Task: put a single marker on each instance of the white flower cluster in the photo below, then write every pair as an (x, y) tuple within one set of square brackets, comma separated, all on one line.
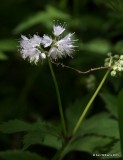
[(116, 63), (36, 47)]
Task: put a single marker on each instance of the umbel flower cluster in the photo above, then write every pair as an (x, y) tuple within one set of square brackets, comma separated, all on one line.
[(116, 64), (38, 48)]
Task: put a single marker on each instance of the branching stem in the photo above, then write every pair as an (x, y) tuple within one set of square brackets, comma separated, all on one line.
[(79, 71)]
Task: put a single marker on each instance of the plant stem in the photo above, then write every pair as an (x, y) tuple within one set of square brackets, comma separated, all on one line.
[(58, 98), (89, 104)]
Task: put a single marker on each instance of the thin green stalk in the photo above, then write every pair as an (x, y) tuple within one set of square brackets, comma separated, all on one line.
[(89, 104), (58, 98)]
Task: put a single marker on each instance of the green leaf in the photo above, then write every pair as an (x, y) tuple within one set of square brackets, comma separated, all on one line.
[(116, 149), (20, 155), (74, 110), (111, 103), (101, 46), (100, 124), (45, 18), (8, 45), (95, 134), (3, 56), (13, 126), (43, 139), (90, 144), (116, 5), (38, 132)]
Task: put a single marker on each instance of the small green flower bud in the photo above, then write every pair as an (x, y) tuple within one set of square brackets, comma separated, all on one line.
[(116, 56), (107, 59), (121, 57), (121, 63), (115, 67), (119, 69), (109, 54), (122, 69), (113, 73)]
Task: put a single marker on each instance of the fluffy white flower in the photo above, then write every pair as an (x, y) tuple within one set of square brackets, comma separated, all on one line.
[(46, 41), (29, 48), (54, 53), (65, 45), (35, 41), (36, 47), (62, 48), (58, 30)]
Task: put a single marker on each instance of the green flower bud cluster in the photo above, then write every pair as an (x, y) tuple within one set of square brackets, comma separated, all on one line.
[(116, 64)]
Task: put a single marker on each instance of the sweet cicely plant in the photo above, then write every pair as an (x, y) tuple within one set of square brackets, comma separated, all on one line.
[(55, 47)]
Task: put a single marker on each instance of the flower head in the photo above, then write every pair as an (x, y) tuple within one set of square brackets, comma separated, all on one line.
[(62, 48), (58, 30), (55, 53), (35, 41), (46, 41), (36, 47), (29, 48)]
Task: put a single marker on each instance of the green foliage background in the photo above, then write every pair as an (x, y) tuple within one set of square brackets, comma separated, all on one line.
[(27, 94)]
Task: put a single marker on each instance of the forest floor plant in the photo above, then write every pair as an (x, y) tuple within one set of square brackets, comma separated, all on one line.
[(57, 46)]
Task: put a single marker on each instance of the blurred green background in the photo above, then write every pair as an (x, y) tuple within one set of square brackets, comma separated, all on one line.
[(27, 91)]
